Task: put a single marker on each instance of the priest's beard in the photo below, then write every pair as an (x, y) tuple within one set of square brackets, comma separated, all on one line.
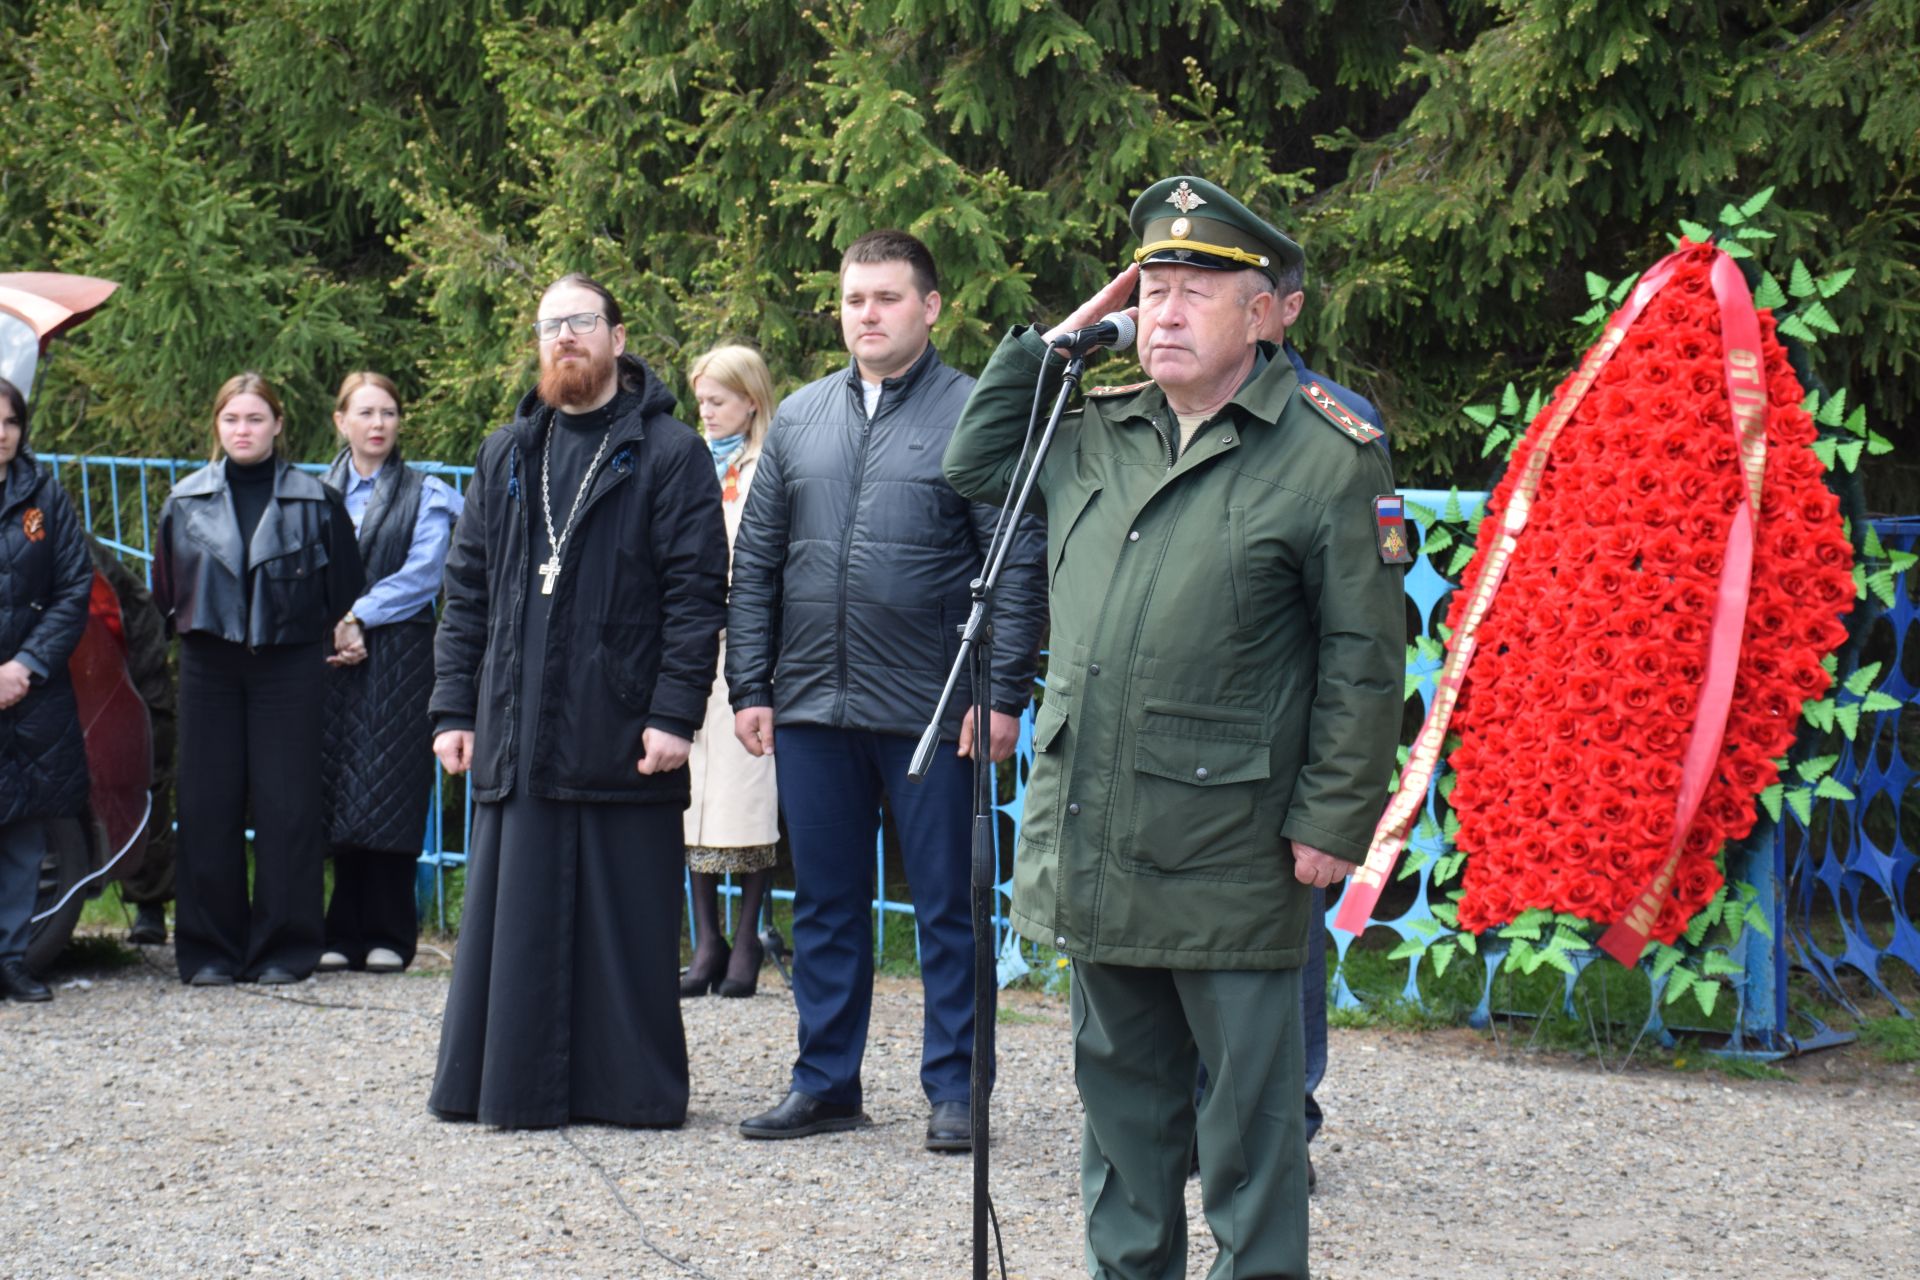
[(577, 382)]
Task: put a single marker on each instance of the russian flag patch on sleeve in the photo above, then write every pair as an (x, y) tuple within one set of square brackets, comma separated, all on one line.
[(1390, 528)]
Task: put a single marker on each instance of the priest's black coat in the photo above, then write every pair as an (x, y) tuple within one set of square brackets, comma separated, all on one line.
[(634, 638)]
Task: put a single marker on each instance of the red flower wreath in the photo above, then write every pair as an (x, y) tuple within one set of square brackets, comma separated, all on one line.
[(1580, 698)]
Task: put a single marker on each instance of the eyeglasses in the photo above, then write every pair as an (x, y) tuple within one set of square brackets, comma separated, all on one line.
[(585, 322)]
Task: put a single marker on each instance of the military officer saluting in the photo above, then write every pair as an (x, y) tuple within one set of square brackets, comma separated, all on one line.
[(1223, 703)]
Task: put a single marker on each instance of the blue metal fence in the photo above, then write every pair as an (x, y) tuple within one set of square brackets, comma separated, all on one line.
[(1858, 852)]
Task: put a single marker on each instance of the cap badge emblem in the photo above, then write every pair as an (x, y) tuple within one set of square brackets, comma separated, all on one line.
[(1185, 198), (1180, 228)]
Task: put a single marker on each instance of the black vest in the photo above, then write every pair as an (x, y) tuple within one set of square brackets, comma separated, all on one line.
[(386, 527)]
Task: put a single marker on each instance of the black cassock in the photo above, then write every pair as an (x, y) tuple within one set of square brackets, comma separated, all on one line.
[(565, 1003)]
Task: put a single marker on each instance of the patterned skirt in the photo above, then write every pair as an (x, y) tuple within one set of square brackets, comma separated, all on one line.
[(709, 861)]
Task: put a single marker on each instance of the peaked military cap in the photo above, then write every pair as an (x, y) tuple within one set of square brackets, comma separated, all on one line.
[(1191, 222)]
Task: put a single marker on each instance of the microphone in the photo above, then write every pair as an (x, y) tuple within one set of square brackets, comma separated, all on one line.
[(1113, 333)]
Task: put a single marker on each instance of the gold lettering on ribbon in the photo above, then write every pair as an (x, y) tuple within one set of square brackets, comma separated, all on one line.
[(1747, 395)]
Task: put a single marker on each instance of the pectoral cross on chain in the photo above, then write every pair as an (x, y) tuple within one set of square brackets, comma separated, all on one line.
[(548, 572)]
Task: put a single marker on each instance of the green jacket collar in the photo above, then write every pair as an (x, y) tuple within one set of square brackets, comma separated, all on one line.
[(1265, 395)]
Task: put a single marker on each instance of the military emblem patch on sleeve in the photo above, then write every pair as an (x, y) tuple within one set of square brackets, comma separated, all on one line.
[(1390, 528)]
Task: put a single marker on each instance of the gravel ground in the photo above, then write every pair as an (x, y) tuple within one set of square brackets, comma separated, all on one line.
[(155, 1130)]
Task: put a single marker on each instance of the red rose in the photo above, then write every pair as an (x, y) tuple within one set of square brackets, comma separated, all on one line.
[(1809, 680), (1785, 541), (1833, 552), (1663, 735), (1649, 661)]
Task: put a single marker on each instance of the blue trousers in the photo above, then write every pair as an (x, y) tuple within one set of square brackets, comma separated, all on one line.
[(832, 782), (23, 847)]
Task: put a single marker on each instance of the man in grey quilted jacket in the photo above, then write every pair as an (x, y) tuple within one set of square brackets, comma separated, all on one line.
[(850, 580)]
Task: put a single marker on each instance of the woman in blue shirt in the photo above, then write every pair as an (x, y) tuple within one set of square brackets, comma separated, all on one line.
[(378, 763)]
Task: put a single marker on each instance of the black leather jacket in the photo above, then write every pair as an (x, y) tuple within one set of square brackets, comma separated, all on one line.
[(298, 577)]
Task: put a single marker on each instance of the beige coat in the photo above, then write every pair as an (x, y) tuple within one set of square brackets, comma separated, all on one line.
[(735, 803)]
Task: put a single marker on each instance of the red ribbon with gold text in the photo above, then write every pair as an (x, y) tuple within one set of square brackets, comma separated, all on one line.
[(1396, 824)]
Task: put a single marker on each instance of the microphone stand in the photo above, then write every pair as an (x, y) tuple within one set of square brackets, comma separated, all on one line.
[(976, 658)]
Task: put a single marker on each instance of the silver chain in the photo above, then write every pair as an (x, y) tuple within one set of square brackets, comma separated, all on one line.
[(546, 497)]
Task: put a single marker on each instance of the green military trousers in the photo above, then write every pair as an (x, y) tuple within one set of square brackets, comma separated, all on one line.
[(1138, 1038)]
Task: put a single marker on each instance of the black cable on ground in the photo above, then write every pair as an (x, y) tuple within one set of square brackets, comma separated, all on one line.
[(619, 1198)]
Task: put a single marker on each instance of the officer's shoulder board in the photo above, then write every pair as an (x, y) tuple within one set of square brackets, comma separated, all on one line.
[(1351, 424), (1127, 390)]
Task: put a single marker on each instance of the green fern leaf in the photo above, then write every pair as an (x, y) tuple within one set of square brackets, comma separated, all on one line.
[(1718, 964), (1757, 201), (1795, 327), (1408, 949), (1800, 281), (1830, 285), (1769, 294), (1862, 679), (1817, 315)]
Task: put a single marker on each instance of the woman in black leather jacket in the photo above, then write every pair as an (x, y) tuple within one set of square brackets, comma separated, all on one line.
[(254, 566), (45, 580)]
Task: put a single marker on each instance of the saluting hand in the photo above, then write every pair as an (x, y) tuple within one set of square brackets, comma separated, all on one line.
[(1101, 305), (1311, 866), (665, 752)]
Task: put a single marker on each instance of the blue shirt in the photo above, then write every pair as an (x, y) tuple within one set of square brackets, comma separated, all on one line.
[(413, 586)]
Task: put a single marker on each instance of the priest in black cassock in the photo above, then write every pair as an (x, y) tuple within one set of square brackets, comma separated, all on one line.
[(586, 590)]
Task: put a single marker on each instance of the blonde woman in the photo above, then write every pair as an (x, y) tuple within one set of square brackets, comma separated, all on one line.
[(733, 823)]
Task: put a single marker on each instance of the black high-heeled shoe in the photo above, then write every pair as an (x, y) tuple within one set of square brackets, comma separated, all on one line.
[(694, 983), (736, 990)]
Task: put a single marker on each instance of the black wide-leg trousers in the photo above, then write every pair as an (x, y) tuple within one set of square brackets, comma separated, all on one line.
[(249, 747)]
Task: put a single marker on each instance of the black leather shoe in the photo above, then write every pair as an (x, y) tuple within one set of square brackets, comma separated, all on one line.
[(275, 976), (149, 925), (802, 1115), (211, 977), (21, 985), (950, 1127)]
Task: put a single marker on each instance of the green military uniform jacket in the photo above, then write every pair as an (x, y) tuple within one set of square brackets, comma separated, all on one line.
[(1225, 670)]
